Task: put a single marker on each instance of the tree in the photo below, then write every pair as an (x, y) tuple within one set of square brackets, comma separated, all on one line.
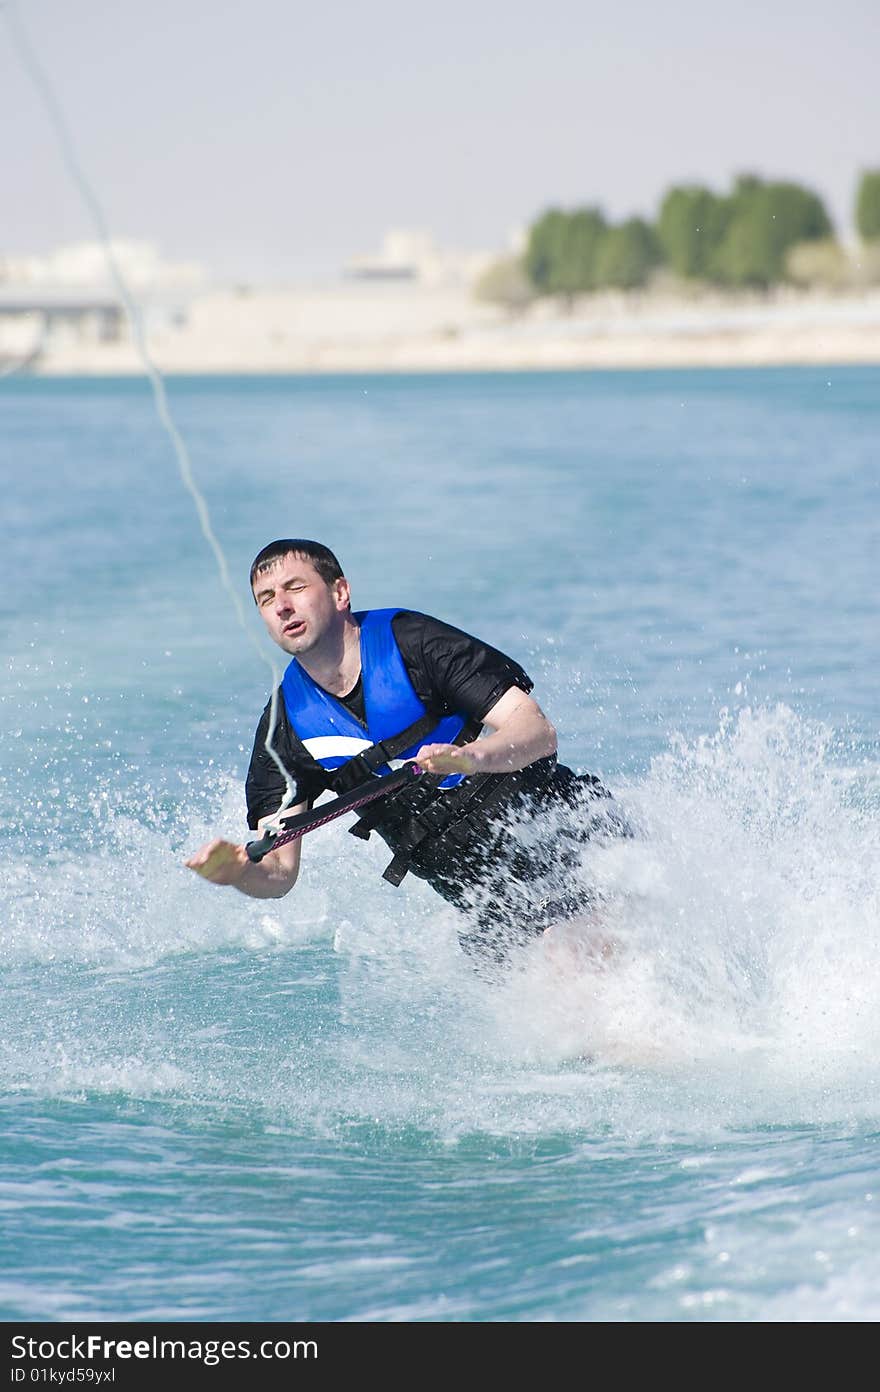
[(628, 254), (690, 227), (766, 219), (561, 252), (868, 206), (544, 249), (584, 233)]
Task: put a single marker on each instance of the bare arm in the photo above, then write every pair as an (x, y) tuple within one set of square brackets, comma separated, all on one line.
[(521, 733), (224, 863)]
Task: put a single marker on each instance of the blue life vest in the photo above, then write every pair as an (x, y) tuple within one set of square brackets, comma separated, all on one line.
[(333, 735)]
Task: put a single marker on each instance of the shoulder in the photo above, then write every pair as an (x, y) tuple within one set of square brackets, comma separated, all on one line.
[(422, 637), (455, 668), (265, 783), (410, 625), (273, 722)]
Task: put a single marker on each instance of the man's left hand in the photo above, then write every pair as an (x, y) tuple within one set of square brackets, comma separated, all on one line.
[(446, 758)]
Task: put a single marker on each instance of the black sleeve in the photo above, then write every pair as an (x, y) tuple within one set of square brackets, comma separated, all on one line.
[(265, 787), (450, 669)]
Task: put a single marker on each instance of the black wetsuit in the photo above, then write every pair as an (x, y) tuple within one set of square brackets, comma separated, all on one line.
[(509, 865)]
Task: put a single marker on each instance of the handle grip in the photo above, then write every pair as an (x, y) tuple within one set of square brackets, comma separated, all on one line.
[(297, 826)]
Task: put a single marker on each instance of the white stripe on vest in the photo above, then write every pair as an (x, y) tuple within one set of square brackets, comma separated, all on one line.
[(342, 747)]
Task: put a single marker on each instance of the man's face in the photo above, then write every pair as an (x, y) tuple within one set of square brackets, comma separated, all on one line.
[(298, 608)]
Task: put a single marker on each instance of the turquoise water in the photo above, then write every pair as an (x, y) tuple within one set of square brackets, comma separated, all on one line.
[(216, 1109)]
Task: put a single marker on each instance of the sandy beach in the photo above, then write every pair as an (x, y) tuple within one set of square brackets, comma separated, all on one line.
[(407, 327)]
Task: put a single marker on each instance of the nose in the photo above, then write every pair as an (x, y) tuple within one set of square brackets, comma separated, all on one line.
[(283, 603)]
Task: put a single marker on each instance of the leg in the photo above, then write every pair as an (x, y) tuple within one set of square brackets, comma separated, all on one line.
[(580, 941)]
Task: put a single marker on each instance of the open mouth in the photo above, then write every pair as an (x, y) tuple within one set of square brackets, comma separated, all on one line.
[(292, 629)]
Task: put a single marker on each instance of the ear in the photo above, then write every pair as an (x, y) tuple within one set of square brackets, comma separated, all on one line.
[(342, 593)]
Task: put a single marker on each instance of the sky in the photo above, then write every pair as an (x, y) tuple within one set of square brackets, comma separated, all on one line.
[(271, 140)]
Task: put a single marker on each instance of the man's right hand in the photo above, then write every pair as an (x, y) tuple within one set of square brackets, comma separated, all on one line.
[(221, 862)]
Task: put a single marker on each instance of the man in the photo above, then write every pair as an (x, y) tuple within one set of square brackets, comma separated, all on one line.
[(494, 823)]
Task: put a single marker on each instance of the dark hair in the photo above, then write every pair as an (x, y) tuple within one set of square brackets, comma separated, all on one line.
[(322, 558)]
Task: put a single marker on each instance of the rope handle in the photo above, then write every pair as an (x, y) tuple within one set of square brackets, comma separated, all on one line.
[(302, 822)]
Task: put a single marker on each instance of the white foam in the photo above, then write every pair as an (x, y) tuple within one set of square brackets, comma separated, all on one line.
[(742, 985)]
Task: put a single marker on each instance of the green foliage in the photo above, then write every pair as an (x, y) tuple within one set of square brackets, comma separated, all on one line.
[(739, 239), (628, 254), (765, 221), (543, 249), (868, 206), (562, 248), (691, 227), (586, 229)]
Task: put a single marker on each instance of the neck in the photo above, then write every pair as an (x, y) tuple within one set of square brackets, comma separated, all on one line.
[(335, 663)]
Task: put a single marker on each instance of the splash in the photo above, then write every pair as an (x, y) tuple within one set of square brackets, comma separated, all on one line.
[(121, 898), (740, 986), (745, 916)]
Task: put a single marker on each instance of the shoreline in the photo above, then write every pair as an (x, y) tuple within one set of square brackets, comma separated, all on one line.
[(414, 329)]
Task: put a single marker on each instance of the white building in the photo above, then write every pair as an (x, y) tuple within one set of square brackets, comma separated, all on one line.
[(411, 254), (73, 296)]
